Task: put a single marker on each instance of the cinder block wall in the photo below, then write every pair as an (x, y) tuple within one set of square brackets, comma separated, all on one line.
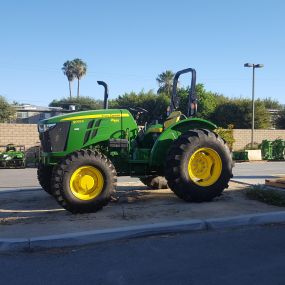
[(27, 134), (20, 134), (243, 136)]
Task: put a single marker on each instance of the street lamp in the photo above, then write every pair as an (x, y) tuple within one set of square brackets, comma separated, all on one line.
[(253, 68)]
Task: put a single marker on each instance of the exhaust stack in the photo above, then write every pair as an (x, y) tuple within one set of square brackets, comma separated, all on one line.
[(106, 93)]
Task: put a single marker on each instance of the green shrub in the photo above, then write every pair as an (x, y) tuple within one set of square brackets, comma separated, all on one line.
[(268, 196), (227, 135)]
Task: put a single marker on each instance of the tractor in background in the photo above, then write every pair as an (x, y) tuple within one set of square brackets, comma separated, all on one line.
[(12, 156), (84, 152)]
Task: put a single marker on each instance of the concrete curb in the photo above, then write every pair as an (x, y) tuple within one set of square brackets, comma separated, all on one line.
[(241, 182), (89, 237), (9, 190), (246, 220), (260, 184), (98, 236), (10, 244)]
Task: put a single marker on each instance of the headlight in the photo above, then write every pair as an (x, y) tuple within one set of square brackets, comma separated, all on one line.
[(7, 157), (44, 127)]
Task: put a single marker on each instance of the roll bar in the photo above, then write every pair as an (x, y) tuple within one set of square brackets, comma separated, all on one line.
[(192, 98)]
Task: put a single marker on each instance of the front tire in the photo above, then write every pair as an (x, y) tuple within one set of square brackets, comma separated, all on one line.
[(199, 166), (44, 174), (84, 181)]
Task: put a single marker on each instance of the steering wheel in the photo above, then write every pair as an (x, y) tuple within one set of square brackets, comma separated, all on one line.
[(142, 110), (136, 109)]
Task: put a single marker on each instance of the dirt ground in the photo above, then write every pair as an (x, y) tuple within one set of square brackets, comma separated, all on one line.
[(28, 213)]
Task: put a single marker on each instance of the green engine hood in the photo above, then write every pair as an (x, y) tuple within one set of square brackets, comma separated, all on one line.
[(92, 114)]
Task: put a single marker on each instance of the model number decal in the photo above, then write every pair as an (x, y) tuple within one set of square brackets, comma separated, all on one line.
[(78, 122)]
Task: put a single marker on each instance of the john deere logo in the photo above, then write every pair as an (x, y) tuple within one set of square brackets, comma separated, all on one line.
[(78, 122)]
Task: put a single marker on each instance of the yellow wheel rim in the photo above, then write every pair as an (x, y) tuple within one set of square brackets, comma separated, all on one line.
[(86, 182), (205, 167)]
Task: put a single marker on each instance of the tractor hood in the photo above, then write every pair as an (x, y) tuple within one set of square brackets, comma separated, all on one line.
[(92, 114), (73, 131), (81, 117)]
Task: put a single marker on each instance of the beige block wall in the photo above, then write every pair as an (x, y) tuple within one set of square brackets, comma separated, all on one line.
[(243, 136), (27, 134), (20, 134)]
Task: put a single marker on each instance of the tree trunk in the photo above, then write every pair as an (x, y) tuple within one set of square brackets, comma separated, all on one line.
[(69, 83), (77, 87)]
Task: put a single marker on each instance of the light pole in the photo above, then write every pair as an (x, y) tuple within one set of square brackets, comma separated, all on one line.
[(254, 66)]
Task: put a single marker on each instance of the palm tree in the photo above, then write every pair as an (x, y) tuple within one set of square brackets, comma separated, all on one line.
[(165, 82), (68, 71), (80, 68)]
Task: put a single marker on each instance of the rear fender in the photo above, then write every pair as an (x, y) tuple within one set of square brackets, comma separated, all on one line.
[(160, 148)]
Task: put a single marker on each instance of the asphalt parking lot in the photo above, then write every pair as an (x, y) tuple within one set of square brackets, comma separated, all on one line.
[(257, 172)]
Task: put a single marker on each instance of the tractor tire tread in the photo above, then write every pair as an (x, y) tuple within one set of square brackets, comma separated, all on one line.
[(44, 174), (62, 167), (173, 174)]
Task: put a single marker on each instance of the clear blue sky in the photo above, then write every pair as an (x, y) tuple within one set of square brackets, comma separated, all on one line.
[(128, 43)]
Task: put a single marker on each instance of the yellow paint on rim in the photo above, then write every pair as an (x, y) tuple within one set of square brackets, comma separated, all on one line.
[(86, 182), (205, 167), (96, 116)]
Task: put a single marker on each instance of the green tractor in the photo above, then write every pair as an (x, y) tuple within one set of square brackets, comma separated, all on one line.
[(13, 156), (84, 152)]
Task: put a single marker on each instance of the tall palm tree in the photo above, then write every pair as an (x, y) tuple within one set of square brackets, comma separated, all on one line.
[(165, 82), (80, 69), (68, 71)]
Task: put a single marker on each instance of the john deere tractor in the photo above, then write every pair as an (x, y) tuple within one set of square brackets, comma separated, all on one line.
[(13, 156), (84, 152)]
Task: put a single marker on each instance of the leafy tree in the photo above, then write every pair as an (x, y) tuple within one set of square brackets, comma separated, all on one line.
[(280, 121), (68, 71), (82, 103), (16, 103), (156, 105), (271, 104), (220, 98), (79, 70), (239, 113), (6, 110), (274, 108), (206, 101), (165, 82)]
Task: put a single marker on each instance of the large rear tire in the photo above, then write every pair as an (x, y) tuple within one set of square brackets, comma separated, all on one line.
[(84, 181), (154, 182), (44, 177), (199, 166)]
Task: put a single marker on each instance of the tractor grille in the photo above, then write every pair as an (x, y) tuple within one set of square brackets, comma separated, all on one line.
[(55, 139)]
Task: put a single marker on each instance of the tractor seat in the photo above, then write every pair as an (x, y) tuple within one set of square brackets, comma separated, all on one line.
[(173, 118), (10, 148)]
